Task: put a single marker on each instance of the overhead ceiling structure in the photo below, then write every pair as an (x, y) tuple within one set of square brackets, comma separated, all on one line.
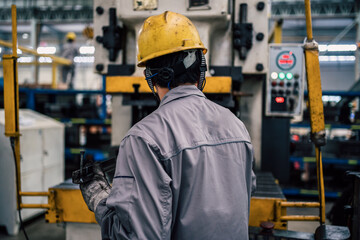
[(48, 10), (319, 9), (330, 18)]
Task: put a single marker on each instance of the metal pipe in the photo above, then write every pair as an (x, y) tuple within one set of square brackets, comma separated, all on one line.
[(53, 80), (300, 204), (316, 105), (33, 194), (15, 137), (26, 205), (299, 218), (55, 59), (321, 184), (278, 31), (14, 32), (308, 20)]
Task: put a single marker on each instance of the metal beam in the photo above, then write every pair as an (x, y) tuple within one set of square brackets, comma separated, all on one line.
[(50, 14), (319, 9)]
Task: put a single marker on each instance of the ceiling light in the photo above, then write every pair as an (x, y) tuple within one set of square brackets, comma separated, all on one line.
[(45, 60), (46, 50), (79, 59), (87, 50), (25, 36), (338, 48)]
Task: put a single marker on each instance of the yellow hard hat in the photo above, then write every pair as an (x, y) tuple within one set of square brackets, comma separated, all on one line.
[(166, 33), (71, 36)]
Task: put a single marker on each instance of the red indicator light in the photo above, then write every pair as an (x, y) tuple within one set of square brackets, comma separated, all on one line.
[(285, 56), (295, 138), (283, 61), (279, 100)]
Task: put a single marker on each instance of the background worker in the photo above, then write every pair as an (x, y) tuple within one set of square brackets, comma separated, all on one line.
[(184, 171), (70, 50)]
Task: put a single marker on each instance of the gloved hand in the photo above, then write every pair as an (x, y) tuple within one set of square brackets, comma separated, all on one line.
[(95, 190)]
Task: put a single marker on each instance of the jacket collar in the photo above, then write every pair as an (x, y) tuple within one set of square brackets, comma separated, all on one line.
[(180, 92)]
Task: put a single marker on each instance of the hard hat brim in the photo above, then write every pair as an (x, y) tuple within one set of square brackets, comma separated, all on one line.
[(142, 62)]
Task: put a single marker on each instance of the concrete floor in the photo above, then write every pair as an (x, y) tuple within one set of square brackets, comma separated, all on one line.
[(38, 229)]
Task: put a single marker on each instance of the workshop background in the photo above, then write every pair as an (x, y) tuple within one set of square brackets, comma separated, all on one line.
[(256, 68)]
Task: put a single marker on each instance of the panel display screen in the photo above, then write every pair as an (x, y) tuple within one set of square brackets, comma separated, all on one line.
[(286, 60)]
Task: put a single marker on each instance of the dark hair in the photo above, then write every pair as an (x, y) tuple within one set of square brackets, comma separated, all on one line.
[(191, 75), (70, 40)]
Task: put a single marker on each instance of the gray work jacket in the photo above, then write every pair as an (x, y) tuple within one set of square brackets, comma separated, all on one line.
[(70, 51), (183, 172)]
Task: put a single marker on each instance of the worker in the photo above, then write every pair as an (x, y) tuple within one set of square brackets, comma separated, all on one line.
[(184, 171), (69, 52)]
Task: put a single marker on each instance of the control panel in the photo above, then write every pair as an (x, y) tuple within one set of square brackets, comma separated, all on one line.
[(285, 81)]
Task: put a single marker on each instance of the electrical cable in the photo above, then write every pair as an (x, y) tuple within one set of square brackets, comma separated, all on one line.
[(12, 143)]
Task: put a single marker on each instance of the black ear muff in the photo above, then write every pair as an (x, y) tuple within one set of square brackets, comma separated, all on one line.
[(166, 74)]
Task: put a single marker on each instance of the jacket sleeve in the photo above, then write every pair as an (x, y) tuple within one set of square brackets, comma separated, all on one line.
[(139, 205)]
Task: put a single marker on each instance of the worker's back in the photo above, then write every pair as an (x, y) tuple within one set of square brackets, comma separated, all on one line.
[(206, 151)]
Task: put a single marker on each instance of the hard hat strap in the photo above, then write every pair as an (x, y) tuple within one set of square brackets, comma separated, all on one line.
[(203, 68), (148, 77)]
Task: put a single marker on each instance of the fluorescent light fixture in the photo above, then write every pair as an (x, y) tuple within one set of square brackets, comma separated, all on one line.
[(19, 51), (79, 59), (335, 99), (0, 49), (46, 50), (25, 59), (45, 60), (337, 58), (87, 50), (338, 48), (25, 36)]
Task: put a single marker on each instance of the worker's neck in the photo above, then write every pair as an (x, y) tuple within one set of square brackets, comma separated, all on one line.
[(161, 91)]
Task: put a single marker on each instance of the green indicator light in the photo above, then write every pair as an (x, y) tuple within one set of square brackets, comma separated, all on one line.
[(289, 76), (274, 75), (281, 76)]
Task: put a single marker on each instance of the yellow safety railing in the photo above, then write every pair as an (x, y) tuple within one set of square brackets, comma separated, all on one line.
[(55, 60), (11, 109)]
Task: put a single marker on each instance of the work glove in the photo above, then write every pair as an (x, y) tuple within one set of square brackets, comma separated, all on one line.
[(95, 190)]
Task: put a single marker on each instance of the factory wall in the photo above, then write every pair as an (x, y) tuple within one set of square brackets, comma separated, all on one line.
[(337, 76)]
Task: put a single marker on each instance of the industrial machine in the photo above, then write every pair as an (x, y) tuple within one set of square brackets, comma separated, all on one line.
[(285, 83), (235, 33)]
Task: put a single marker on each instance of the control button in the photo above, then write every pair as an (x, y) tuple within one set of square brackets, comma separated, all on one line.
[(291, 104), (281, 84), (287, 92), (296, 84), (281, 92), (288, 84), (273, 83), (274, 75), (289, 76), (273, 92), (281, 76), (295, 92), (296, 76)]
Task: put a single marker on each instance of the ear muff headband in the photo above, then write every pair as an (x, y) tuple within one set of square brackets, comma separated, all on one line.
[(168, 74)]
